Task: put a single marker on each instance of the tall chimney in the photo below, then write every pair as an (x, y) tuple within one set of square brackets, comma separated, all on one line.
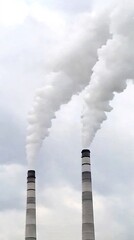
[(87, 200), (30, 232)]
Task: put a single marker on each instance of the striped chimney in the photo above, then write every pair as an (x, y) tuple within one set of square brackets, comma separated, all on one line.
[(87, 200), (30, 233)]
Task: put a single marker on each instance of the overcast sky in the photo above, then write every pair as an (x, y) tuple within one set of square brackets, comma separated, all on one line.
[(31, 32)]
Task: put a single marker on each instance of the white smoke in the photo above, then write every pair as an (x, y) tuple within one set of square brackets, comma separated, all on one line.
[(69, 75), (108, 40), (110, 74)]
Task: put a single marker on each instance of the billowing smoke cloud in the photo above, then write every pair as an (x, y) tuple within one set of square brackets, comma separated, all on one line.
[(110, 74), (69, 75)]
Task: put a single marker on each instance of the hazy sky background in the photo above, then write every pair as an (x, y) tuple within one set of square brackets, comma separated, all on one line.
[(30, 31)]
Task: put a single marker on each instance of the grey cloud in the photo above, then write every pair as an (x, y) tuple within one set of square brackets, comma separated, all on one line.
[(7, 202), (59, 164), (73, 6), (24, 51), (114, 216), (113, 165), (13, 182), (23, 48), (60, 157), (12, 139)]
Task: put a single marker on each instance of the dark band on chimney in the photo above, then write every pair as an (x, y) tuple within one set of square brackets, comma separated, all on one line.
[(85, 153)]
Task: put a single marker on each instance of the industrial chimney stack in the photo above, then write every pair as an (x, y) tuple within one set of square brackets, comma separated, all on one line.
[(87, 201), (30, 233)]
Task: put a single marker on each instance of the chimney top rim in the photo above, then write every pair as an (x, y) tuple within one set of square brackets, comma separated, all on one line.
[(31, 174), (85, 153)]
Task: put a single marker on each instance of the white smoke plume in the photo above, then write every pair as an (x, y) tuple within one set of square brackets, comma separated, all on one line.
[(69, 75), (110, 74)]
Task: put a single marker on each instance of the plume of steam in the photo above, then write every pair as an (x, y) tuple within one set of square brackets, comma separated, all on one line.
[(110, 74), (69, 75)]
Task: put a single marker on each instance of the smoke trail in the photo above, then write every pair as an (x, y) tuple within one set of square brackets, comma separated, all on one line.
[(111, 72), (70, 75)]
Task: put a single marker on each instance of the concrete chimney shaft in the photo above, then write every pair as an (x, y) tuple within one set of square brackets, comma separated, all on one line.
[(30, 233), (87, 201)]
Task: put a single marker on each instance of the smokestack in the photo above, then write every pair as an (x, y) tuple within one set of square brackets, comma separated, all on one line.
[(87, 200), (30, 233)]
